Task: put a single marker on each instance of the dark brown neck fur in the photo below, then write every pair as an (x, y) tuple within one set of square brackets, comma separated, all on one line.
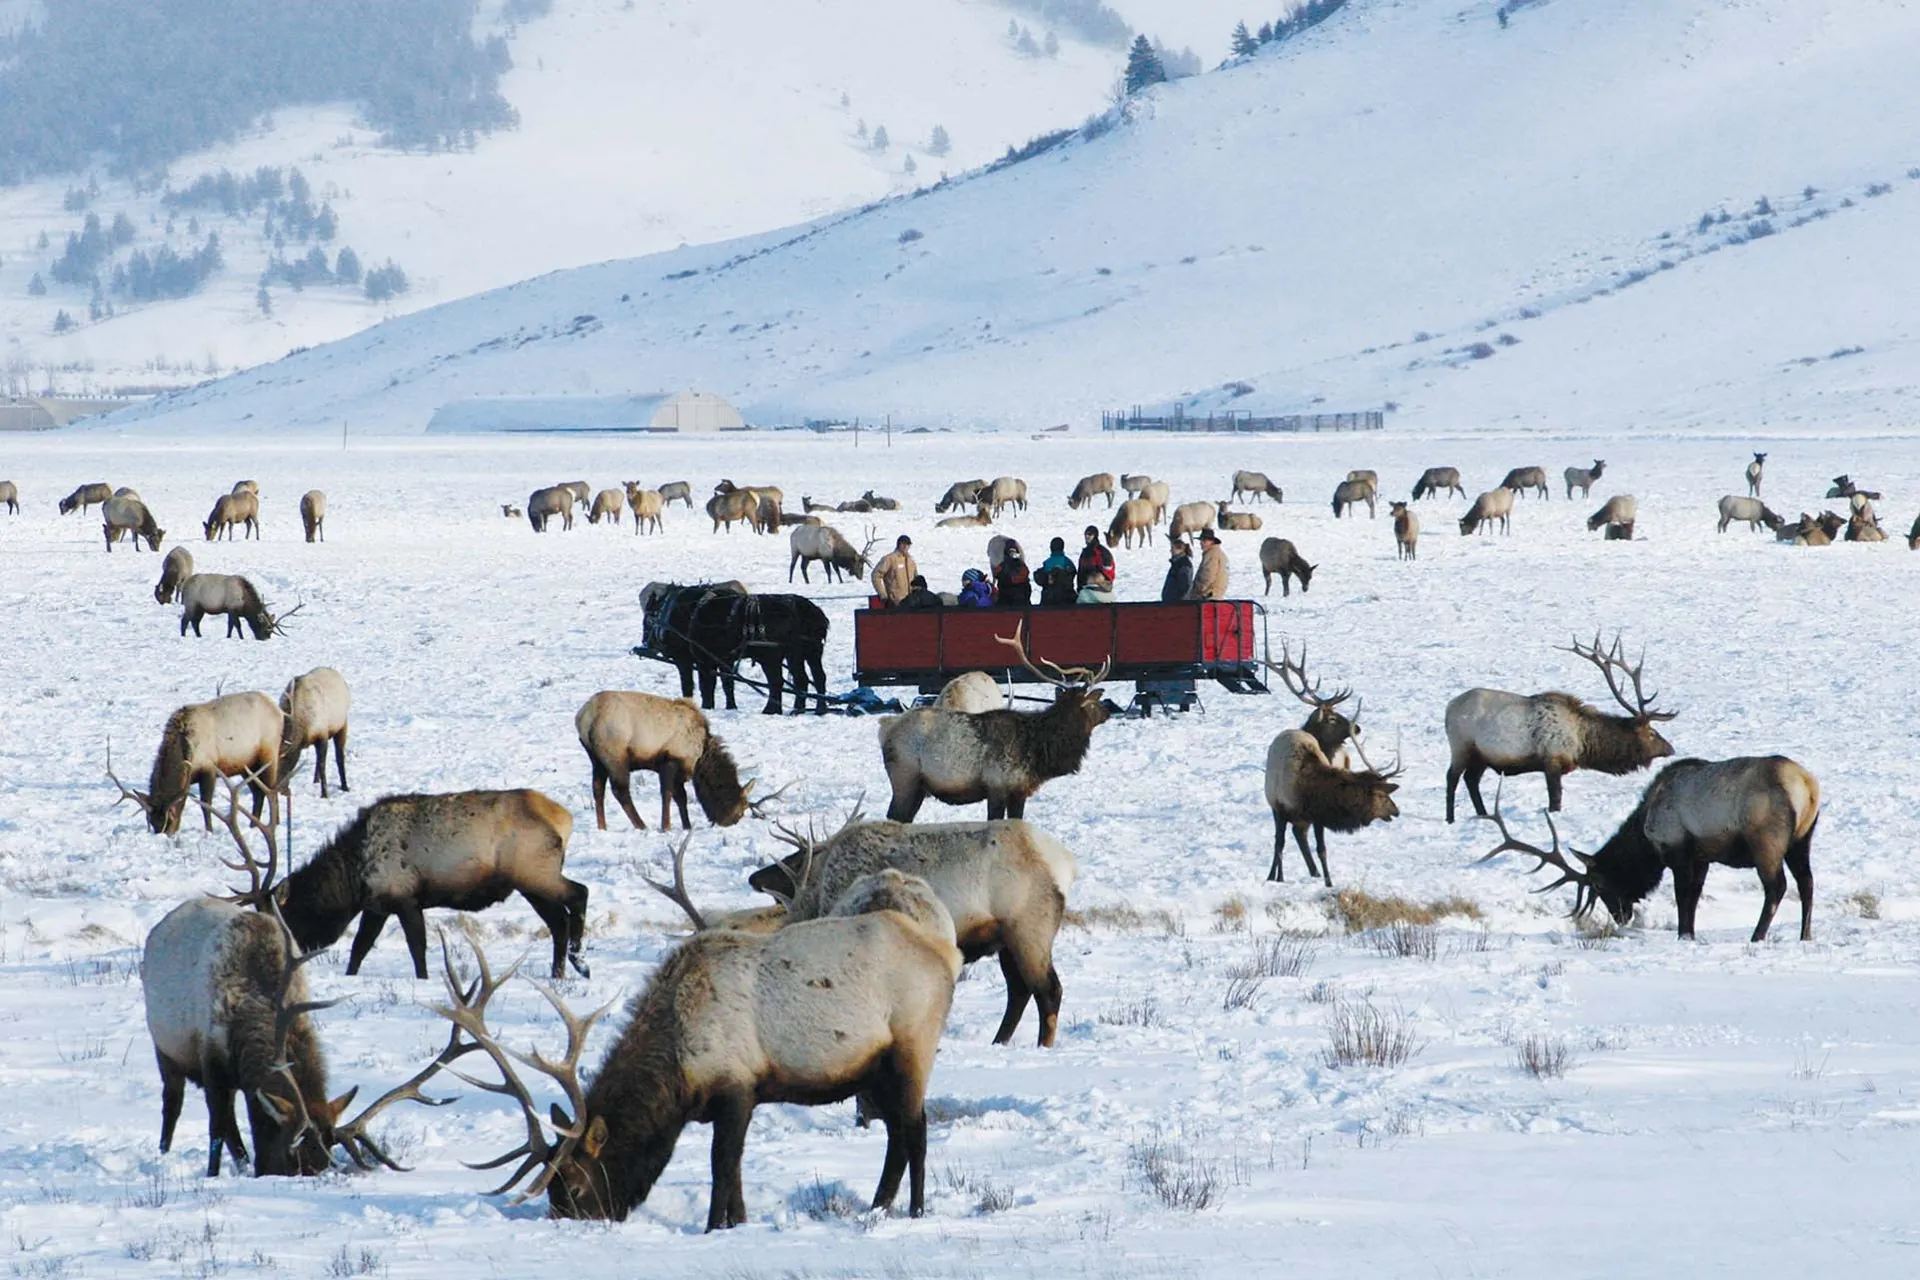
[(321, 899)]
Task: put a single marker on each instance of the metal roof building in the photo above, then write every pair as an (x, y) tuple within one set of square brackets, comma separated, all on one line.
[(683, 412)]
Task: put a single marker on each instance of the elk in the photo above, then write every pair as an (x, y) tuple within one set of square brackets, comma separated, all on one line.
[(1521, 479), (1350, 493), (1004, 883), (315, 707), (857, 505), (1243, 521), (174, 570), (1191, 517), (1434, 479), (1299, 789), (1844, 487), (1620, 510), (735, 504), (880, 504), (1752, 510), (1406, 532), (86, 496), (234, 736), (1280, 558), (1812, 531), (970, 691), (582, 493), (646, 505), (231, 509), (313, 515), (467, 850), (809, 506), (510, 511), (1864, 528), (1754, 470), (10, 494), (1000, 756), (1582, 478), (1494, 504), (1553, 733), (1089, 486), (961, 493), (1255, 483), (1005, 492), (730, 1020), (677, 491), (1134, 486), (234, 596), (126, 491), (621, 732), (544, 504), (1753, 811), (246, 486), (130, 515), (980, 519), (829, 546), (609, 505), (1134, 516)]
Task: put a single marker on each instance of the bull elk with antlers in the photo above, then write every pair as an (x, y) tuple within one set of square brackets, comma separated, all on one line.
[(1553, 733), (1757, 811), (1308, 783), (231, 595), (1001, 756), (728, 1021)]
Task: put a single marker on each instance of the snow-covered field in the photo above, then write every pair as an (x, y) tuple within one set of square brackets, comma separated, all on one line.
[(1729, 1108)]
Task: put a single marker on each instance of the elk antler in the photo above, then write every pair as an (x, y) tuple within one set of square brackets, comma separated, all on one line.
[(468, 1012), (292, 1110), (807, 844), (277, 622), (353, 1137), (140, 798), (759, 807), (262, 876), (1614, 660), (1580, 877), (677, 892), (1294, 676), (1067, 677)]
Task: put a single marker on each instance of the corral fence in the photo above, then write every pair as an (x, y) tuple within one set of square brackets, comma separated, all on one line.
[(1136, 419)]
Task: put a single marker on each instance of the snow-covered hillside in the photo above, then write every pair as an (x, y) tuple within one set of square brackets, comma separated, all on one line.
[(643, 127), (1412, 204)]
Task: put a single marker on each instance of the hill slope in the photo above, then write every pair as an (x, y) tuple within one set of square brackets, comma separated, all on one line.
[(1345, 219)]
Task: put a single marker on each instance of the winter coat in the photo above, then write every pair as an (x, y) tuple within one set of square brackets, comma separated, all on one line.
[(977, 594), (893, 577), (1012, 585), (1096, 559), (1211, 582), (1055, 577), (1179, 579), (921, 598)]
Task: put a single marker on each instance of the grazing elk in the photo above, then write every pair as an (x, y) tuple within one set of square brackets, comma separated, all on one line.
[(1620, 511), (1752, 510), (622, 732), (234, 736), (730, 1020), (1754, 470), (1434, 479), (122, 516), (677, 491), (174, 570), (232, 595), (1241, 521), (829, 546), (544, 504), (86, 496), (880, 504), (10, 494), (971, 691), (1521, 479), (227, 1008), (1004, 492), (313, 515), (1494, 504), (1308, 783), (1406, 532), (734, 505), (229, 510), (1004, 883), (1000, 756), (609, 505), (646, 505), (1350, 493), (467, 850), (980, 519), (1280, 558), (1582, 478), (1134, 516), (315, 707), (1255, 483), (1089, 487), (1191, 517), (1157, 492), (961, 493), (1553, 733), (1371, 476), (1755, 811)]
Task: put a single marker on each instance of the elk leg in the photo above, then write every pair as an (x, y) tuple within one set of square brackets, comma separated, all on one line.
[(680, 798), (554, 916), (1799, 862), (173, 1093), (905, 803), (206, 800), (1553, 790), (1776, 889), (1689, 881), (413, 923), (1320, 842), (1474, 772), (731, 1113), (1275, 873), (996, 808), (1306, 854), (223, 1129), (1018, 993), (339, 758), (623, 792), (576, 905), (599, 791), (371, 923), (319, 766)]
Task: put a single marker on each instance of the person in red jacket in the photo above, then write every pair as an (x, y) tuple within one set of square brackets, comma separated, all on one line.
[(1096, 572)]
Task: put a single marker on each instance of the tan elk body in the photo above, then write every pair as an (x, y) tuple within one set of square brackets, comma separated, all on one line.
[(1279, 558), (1754, 471), (122, 516), (961, 493), (1752, 510), (230, 509), (646, 505), (1090, 487), (822, 542), (1582, 478), (1191, 517), (1240, 521), (1350, 493), (1435, 479), (10, 497), (609, 505), (234, 736), (1620, 510), (174, 570), (1406, 532), (86, 496), (1004, 492), (971, 691), (1523, 480), (229, 595), (1494, 504), (1255, 483), (1133, 518), (313, 515), (622, 732), (315, 707)]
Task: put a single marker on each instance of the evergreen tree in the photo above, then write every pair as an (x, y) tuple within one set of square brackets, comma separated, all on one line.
[(1026, 45), (62, 322), (1143, 66), (36, 286), (122, 231), (1266, 33), (909, 168), (1051, 45), (1243, 41), (43, 239), (346, 268), (939, 143), (264, 301), (880, 139)]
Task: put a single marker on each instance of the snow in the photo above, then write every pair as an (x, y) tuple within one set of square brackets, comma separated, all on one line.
[(1338, 222), (1730, 1107)]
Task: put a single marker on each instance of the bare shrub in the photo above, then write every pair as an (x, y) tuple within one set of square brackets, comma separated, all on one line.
[(1595, 935), (1542, 1057), (1286, 955), (1173, 1175), (1359, 1033), (1406, 940), (823, 1200), (987, 1195), (1358, 911), (1242, 988), (1125, 918), (1323, 992), (1865, 903), (1143, 1012), (1231, 915)]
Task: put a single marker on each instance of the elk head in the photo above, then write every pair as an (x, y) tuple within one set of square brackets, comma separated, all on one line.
[(1077, 687), (1589, 881), (1329, 727), (1612, 665)]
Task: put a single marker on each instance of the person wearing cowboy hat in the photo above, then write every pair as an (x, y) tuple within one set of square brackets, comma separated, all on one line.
[(1179, 573), (1210, 583)]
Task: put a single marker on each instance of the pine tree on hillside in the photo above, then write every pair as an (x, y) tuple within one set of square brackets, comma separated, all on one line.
[(264, 301), (1243, 41), (909, 168), (939, 143), (1051, 45), (880, 139), (36, 286), (1143, 66)]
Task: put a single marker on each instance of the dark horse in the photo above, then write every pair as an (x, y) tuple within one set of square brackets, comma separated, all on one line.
[(712, 628)]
